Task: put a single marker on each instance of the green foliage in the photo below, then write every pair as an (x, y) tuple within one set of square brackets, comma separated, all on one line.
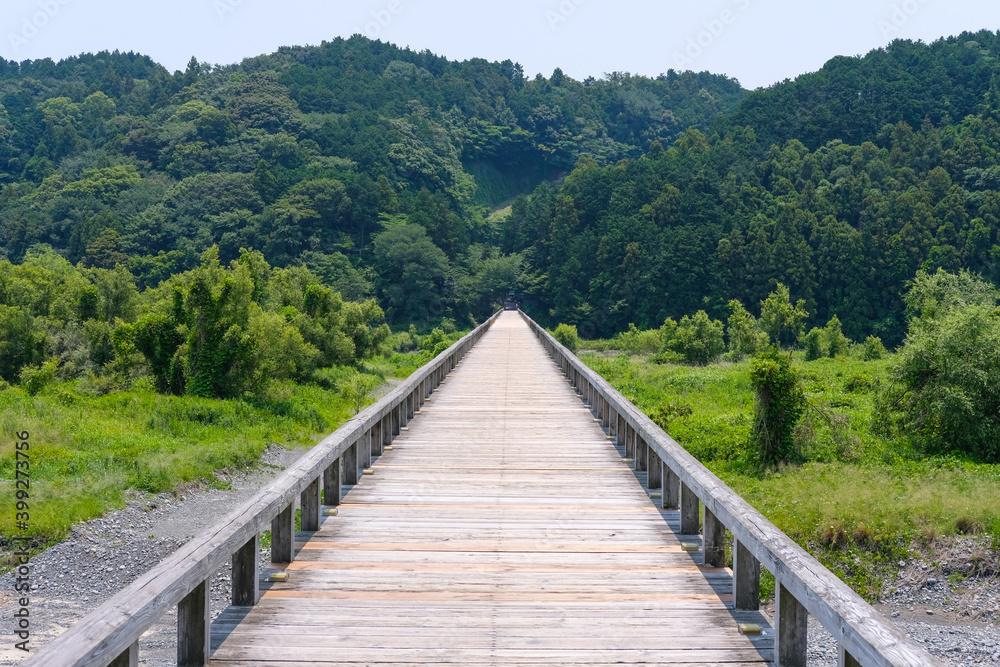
[(873, 349), (813, 342), (36, 378), (357, 388), (699, 339), (779, 317), (942, 389), (567, 336), (745, 335), (639, 342), (836, 342), (779, 404)]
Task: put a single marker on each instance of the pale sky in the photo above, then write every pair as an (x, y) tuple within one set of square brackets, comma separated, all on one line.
[(759, 42)]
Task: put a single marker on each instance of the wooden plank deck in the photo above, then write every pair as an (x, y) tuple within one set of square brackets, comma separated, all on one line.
[(502, 528)]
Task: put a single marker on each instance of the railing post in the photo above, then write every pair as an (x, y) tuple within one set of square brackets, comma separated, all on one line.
[(351, 464), (791, 619), (671, 488), (376, 438), (653, 474), (194, 624), (845, 659), (283, 535), (621, 428), (689, 511), (128, 658), (365, 458), (629, 442), (395, 420), (331, 484), (641, 450), (386, 430), (246, 574), (714, 539), (608, 414), (410, 409), (746, 579), (309, 504)]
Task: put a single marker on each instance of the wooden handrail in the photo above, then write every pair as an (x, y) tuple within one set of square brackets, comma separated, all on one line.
[(109, 635), (864, 635)]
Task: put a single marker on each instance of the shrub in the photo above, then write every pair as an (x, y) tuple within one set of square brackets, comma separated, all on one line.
[(836, 341), (357, 388), (567, 336), (873, 349), (639, 342), (942, 392), (698, 339), (779, 404), (813, 342), (36, 378), (745, 335)]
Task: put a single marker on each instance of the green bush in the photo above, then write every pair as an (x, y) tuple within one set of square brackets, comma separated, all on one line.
[(746, 338), (836, 342), (813, 342), (699, 339), (639, 342), (943, 390), (779, 404), (566, 334), (36, 378), (873, 349)]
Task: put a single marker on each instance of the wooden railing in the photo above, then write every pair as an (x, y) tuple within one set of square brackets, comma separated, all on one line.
[(110, 634), (803, 585)]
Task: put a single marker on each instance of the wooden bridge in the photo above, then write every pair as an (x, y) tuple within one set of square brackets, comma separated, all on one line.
[(491, 512)]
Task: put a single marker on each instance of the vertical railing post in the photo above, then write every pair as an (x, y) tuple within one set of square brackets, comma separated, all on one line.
[(331, 484), (395, 420), (714, 539), (654, 471), (246, 574), (689, 511), (386, 430), (671, 488), (194, 625), (128, 658), (376, 438), (746, 579), (641, 450), (791, 619), (351, 465), (629, 442), (309, 504), (365, 458), (283, 535)]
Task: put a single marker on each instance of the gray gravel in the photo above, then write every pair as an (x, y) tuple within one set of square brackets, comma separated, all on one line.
[(100, 557)]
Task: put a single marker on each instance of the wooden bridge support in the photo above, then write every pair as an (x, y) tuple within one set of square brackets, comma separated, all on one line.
[(246, 574), (746, 579), (689, 511), (194, 628), (790, 637), (332, 493)]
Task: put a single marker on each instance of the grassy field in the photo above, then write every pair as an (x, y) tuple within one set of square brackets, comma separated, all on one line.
[(88, 450), (856, 500)]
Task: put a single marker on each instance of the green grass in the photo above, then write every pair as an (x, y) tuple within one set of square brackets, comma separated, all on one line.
[(87, 451), (856, 500)]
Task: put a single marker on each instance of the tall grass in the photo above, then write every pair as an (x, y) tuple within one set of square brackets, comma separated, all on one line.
[(854, 498)]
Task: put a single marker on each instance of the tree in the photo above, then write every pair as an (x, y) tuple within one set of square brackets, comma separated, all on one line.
[(411, 272), (942, 394), (567, 336), (699, 339), (778, 316), (745, 335)]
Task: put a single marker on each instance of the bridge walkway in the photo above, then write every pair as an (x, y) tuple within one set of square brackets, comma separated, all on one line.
[(501, 528)]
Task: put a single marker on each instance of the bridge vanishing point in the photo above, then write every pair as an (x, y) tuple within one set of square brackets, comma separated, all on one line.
[(494, 509)]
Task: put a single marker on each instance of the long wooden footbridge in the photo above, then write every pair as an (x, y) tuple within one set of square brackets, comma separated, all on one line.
[(495, 509)]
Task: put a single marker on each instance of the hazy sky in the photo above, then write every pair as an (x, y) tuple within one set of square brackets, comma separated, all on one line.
[(758, 42)]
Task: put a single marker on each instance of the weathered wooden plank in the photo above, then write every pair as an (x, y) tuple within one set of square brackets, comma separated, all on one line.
[(194, 621)]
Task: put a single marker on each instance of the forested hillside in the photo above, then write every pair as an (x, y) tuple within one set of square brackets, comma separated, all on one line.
[(307, 155), (892, 186)]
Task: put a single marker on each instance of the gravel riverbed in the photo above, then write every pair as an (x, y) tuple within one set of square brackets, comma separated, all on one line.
[(948, 599)]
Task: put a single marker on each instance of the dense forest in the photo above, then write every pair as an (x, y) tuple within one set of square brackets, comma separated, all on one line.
[(437, 186), (376, 167)]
